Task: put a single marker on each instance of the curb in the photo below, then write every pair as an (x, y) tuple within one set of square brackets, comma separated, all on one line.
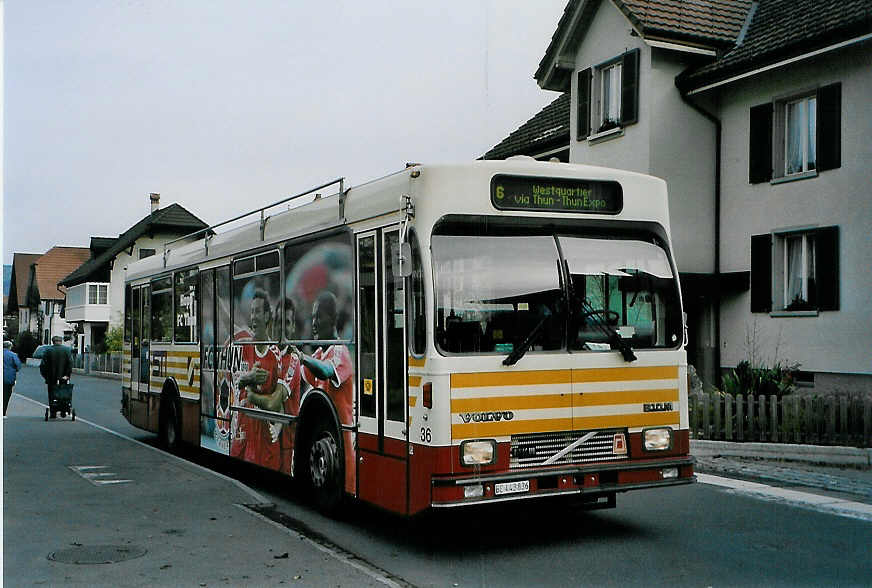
[(106, 375), (820, 454)]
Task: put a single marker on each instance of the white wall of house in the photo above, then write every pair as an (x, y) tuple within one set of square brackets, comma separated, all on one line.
[(833, 342), (671, 140), (122, 260), (608, 37)]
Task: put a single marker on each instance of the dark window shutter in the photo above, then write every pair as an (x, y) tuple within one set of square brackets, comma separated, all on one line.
[(761, 273), (760, 149), (829, 127), (630, 88), (827, 268), (584, 104)]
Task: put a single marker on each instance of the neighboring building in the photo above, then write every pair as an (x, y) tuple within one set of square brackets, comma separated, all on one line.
[(96, 289), (45, 298), (17, 303), (757, 115)]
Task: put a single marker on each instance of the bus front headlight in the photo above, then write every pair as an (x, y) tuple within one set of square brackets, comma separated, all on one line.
[(478, 452), (657, 439)]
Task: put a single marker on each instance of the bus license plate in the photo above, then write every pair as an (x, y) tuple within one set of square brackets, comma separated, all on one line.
[(512, 487)]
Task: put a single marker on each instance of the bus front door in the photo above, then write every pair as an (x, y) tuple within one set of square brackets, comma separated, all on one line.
[(382, 394)]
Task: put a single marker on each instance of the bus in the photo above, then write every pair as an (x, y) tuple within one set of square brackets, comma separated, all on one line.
[(444, 336)]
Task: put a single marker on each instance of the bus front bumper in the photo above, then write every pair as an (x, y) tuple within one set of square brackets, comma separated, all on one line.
[(593, 482)]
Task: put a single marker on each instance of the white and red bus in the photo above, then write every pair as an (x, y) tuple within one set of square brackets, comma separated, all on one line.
[(443, 336)]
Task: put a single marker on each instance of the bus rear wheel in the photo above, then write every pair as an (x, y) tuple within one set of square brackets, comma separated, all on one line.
[(169, 426), (325, 468)]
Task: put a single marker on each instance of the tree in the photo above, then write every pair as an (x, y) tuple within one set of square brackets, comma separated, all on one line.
[(114, 339)]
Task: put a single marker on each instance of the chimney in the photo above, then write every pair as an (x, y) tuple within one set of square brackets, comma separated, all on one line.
[(155, 201)]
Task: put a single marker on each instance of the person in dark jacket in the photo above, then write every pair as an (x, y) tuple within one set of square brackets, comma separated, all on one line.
[(11, 365), (57, 365)]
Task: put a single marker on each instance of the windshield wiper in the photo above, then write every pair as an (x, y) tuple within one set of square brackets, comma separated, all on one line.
[(613, 337), (518, 353)]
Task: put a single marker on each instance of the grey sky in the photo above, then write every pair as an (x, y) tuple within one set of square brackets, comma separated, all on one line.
[(226, 106)]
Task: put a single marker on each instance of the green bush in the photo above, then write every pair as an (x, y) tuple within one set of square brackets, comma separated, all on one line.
[(745, 379)]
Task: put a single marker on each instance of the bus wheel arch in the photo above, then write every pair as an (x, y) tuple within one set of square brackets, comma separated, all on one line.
[(320, 464), (169, 416)]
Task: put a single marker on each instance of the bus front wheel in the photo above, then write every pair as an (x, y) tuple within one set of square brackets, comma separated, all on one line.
[(325, 468)]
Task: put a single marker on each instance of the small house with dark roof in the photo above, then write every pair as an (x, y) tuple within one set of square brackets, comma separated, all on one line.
[(18, 282), (756, 113), (43, 298), (95, 290)]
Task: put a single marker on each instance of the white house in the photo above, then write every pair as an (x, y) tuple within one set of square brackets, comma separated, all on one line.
[(95, 291), (756, 114)]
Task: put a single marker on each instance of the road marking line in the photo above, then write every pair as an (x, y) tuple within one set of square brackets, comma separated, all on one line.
[(828, 504), (257, 497), (335, 552)]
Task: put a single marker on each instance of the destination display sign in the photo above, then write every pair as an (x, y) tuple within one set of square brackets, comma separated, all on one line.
[(556, 194)]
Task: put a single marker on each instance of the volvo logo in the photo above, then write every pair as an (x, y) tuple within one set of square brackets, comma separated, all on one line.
[(487, 417)]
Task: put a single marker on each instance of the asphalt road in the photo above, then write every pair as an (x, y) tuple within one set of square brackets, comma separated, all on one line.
[(697, 535)]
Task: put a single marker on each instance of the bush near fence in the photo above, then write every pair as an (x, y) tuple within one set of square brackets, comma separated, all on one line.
[(98, 362), (817, 420)]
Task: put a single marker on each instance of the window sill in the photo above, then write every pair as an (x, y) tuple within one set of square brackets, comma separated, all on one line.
[(605, 135), (794, 313), (794, 177)]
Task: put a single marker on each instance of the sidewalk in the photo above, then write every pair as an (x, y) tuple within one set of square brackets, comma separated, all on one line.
[(829, 471), (83, 507)]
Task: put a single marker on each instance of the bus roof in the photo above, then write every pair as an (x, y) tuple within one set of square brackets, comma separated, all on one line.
[(432, 190)]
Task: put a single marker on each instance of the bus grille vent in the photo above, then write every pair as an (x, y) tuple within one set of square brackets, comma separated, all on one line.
[(535, 449)]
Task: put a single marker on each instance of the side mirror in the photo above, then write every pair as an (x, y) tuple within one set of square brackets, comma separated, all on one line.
[(401, 260)]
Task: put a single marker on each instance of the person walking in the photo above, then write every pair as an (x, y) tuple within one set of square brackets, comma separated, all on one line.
[(11, 365), (57, 365)]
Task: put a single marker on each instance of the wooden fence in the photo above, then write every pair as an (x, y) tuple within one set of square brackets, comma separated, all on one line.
[(830, 420)]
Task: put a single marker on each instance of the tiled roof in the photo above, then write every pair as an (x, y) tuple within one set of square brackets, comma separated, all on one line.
[(173, 217), (709, 23), (780, 29), (21, 263), (548, 129), (56, 263), (716, 22)]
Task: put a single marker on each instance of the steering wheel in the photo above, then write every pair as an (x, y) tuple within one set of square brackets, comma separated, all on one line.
[(610, 315)]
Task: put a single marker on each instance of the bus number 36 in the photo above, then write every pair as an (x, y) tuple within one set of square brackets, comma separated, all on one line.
[(426, 436)]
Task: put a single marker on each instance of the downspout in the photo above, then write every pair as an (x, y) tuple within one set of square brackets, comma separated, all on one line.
[(717, 295)]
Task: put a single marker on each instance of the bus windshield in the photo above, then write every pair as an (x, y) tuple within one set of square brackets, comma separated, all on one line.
[(587, 293)]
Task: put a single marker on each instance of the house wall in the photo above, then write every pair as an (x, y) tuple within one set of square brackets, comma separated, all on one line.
[(608, 37), (671, 140), (122, 260), (834, 343)]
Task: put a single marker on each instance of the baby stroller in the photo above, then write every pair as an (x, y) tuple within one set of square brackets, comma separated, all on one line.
[(62, 402)]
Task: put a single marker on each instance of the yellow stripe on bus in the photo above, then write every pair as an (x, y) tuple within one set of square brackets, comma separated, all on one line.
[(414, 381), (530, 378), (417, 362), (621, 374), (532, 401), (505, 428), (625, 397), (413, 400)]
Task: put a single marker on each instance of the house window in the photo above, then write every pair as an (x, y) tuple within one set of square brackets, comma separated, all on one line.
[(796, 136), (143, 253), (793, 271), (799, 135), (608, 95), (97, 293), (798, 276)]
